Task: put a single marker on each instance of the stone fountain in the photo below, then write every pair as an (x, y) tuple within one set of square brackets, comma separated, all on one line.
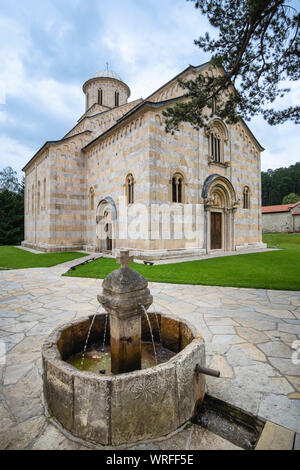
[(129, 403), (125, 296)]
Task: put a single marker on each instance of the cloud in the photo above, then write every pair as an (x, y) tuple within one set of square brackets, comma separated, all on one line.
[(6, 118), (282, 144), (13, 153), (151, 49), (43, 93), (48, 49)]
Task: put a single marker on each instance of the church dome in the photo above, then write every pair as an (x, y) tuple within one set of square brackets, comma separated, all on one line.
[(110, 93), (108, 74)]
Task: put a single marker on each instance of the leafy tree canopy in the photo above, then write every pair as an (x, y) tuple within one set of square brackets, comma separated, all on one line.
[(9, 179), (257, 48), (11, 207), (291, 198), (11, 217), (276, 184)]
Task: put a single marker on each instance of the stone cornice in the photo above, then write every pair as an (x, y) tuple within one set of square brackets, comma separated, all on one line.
[(49, 143), (145, 105), (101, 79)]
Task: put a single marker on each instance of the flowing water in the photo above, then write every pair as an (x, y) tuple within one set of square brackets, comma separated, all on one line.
[(151, 332), (87, 339), (157, 321), (105, 330), (89, 333), (98, 361)]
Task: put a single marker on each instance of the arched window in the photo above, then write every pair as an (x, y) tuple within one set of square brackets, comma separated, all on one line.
[(91, 199), (100, 96), (246, 198), (130, 189), (177, 188), (44, 196), (32, 200), (215, 147), (217, 134), (117, 98), (39, 197)]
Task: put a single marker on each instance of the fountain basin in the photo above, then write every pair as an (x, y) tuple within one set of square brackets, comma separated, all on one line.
[(130, 407)]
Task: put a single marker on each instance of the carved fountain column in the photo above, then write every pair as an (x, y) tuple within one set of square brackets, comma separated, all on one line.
[(124, 293)]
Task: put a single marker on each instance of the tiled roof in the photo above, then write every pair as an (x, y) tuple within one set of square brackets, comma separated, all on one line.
[(281, 208)]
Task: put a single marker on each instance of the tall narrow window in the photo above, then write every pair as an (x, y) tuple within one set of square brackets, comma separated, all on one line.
[(174, 190), (215, 147), (100, 96), (91, 199), (117, 98), (32, 200), (217, 136), (177, 188), (130, 189), (44, 195), (39, 197), (28, 201), (246, 198), (87, 101)]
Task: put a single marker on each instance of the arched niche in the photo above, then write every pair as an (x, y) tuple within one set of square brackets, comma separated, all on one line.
[(220, 204)]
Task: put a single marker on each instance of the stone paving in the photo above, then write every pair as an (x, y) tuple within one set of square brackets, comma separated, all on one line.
[(250, 337)]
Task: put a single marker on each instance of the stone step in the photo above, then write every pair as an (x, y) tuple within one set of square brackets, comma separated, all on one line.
[(275, 437)]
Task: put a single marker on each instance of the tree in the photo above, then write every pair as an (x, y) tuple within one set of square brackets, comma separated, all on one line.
[(11, 217), (11, 208), (257, 48), (276, 184), (9, 179), (291, 198)]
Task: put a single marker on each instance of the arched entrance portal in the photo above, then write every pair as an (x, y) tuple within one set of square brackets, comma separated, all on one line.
[(106, 224), (220, 204)]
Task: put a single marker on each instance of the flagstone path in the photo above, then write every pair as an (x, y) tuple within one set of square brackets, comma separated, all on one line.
[(251, 337)]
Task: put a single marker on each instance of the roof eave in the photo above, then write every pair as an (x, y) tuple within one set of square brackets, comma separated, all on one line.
[(51, 142), (139, 107)]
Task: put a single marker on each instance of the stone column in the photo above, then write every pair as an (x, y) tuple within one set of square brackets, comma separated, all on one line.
[(125, 297), (207, 209), (125, 343), (232, 212)]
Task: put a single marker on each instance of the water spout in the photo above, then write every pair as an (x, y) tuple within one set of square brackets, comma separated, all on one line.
[(157, 321), (87, 339), (151, 332), (104, 336)]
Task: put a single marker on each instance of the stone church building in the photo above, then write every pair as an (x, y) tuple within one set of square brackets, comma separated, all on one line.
[(117, 179)]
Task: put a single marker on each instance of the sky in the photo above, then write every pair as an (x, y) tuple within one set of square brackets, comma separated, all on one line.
[(49, 48)]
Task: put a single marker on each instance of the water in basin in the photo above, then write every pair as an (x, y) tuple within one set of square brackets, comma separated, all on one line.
[(96, 360)]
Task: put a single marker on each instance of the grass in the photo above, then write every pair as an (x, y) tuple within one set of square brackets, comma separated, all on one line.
[(269, 270), (15, 258)]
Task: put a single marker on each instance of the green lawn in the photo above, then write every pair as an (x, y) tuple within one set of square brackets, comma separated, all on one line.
[(15, 258), (273, 270)]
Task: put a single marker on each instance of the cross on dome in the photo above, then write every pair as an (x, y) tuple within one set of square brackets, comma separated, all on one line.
[(124, 259)]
